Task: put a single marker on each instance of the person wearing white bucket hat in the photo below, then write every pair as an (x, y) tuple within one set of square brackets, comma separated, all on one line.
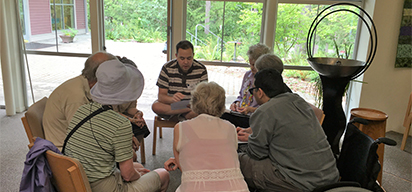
[(100, 137)]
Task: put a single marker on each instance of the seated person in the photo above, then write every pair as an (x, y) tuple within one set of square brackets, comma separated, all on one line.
[(245, 104), (177, 79), (271, 61), (130, 111), (66, 98), (106, 138), (287, 148), (205, 146)]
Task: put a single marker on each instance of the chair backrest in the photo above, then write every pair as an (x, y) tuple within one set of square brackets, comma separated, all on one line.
[(68, 173), (318, 112), (32, 120), (408, 115)]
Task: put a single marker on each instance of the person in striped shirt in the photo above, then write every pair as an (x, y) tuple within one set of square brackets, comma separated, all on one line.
[(177, 79), (103, 143)]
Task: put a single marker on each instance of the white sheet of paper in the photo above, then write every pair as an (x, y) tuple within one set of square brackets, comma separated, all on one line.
[(180, 104)]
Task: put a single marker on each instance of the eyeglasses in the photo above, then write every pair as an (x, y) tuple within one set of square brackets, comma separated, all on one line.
[(251, 90)]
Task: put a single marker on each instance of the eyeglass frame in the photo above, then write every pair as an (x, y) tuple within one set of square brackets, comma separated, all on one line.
[(251, 90)]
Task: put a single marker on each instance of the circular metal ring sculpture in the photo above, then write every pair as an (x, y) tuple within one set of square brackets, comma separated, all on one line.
[(336, 73), (344, 67)]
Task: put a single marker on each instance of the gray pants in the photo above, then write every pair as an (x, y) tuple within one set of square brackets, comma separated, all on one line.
[(263, 176)]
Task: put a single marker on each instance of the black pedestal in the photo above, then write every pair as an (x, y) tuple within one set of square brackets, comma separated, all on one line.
[(335, 121)]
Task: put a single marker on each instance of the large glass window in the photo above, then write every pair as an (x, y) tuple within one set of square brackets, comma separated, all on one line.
[(48, 72), (47, 24), (21, 12), (62, 15), (334, 36), (223, 31), (137, 30)]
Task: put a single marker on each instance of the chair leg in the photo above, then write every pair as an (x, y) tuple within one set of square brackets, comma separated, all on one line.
[(142, 152), (154, 138), (405, 137), (160, 132)]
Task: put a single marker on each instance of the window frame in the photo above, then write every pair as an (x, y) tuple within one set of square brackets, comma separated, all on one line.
[(268, 27)]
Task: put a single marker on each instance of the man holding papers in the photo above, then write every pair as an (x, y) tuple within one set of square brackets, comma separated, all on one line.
[(177, 79)]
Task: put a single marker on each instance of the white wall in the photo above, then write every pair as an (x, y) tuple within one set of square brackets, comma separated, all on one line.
[(388, 88)]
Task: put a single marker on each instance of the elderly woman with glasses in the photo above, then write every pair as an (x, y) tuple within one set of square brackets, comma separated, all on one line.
[(205, 147), (245, 104)]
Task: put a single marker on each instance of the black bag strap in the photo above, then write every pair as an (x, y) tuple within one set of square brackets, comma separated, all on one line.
[(103, 108)]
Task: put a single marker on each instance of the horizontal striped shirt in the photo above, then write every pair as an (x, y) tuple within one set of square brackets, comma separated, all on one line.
[(173, 79), (100, 142)]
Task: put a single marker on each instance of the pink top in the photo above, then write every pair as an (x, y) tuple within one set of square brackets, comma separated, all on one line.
[(207, 155)]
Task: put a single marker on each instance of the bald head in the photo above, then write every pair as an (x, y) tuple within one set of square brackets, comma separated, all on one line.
[(93, 62)]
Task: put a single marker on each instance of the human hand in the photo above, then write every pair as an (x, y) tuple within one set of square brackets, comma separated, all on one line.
[(170, 164), (178, 96), (234, 106), (142, 171), (243, 133), (136, 143), (246, 110), (138, 121), (138, 114), (248, 130)]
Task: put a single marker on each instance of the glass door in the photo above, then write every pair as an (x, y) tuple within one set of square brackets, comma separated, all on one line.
[(56, 26), (138, 30)]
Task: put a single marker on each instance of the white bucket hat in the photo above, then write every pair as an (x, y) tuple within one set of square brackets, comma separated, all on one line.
[(117, 83)]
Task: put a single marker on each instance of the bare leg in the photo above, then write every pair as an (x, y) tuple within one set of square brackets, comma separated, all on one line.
[(164, 179)]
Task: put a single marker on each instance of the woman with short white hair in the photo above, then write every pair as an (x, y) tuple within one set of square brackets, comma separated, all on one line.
[(245, 104), (205, 146)]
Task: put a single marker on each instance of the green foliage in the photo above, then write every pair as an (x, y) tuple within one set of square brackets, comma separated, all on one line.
[(145, 21), (242, 23), (210, 51), (138, 20), (337, 29), (71, 32), (293, 22)]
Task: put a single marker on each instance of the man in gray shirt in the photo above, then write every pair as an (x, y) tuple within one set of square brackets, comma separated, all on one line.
[(287, 148)]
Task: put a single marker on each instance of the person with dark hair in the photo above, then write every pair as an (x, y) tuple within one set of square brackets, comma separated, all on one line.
[(177, 79), (204, 147), (245, 105), (287, 148), (66, 98)]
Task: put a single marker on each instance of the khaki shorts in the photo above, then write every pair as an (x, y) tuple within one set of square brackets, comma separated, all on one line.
[(262, 175), (147, 183)]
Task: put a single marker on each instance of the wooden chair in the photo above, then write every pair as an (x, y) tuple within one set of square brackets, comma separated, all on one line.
[(68, 173), (140, 138), (160, 123), (32, 121), (407, 122), (319, 113)]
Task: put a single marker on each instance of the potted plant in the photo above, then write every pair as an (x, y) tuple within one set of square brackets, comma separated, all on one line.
[(68, 35)]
